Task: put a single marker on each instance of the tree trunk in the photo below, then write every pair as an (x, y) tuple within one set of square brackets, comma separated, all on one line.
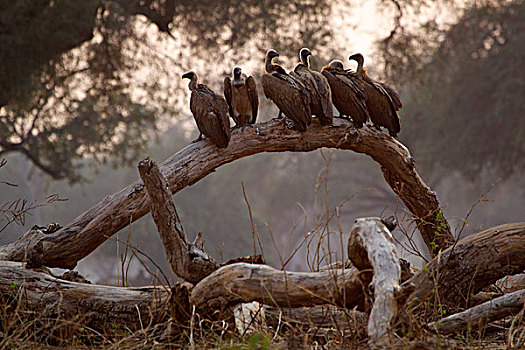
[(92, 228)]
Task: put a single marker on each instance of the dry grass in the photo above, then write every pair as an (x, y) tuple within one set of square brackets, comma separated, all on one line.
[(340, 328)]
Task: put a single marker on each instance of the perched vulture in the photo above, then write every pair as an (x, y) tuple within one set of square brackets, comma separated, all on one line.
[(382, 101), (347, 92), (210, 112), (241, 95), (287, 93), (318, 88)]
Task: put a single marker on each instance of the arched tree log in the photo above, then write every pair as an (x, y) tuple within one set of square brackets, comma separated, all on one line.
[(187, 260), (92, 228), (371, 246), (472, 264)]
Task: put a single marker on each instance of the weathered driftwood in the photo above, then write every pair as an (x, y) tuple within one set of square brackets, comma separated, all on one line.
[(472, 264), (371, 246), (237, 283), (480, 315), (94, 305), (92, 228), (187, 260)]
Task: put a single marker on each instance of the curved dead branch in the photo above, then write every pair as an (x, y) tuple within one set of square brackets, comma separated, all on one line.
[(92, 228)]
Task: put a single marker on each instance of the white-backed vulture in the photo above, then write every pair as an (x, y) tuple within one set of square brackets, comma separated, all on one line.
[(382, 101), (317, 86), (347, 92), (242, 97), (210, 112), (287, 93)]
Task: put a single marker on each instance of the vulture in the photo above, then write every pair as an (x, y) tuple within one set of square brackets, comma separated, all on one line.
[(241, 95), (287, 93), (382, 101), (347, 92), (210, 112), (317, 86)]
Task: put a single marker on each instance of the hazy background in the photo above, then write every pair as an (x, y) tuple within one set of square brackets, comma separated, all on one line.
[(88, 89)]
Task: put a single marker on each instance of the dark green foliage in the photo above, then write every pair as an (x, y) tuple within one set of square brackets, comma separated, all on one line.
[(78, 79), (470, 105)]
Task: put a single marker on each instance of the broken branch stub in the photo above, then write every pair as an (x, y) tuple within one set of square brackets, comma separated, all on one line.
[(187, 260)]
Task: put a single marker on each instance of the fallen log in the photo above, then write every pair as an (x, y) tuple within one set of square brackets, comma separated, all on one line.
[(27, 290), (472, 264), (187, 260), (240, 283), (480, 315), (371, 246), (65, 247)]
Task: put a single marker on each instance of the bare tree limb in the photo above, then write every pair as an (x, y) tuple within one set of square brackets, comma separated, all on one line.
[(480, 315), (188, 261), (92, 228)]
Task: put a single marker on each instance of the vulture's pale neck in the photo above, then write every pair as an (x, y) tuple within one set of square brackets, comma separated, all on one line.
[(193, 82), (268, 65), (305, 59), (360, 62)]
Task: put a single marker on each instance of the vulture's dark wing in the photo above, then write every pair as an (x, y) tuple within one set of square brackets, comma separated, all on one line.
[(347, 94), (319, 89), (394, 96), (382, 108), (326, 114), (228, 94), (211, 115), (290, 98), (253, 95)]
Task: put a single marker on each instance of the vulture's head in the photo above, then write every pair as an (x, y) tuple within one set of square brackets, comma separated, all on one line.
[(237, 72), (189, 75), (193, 79), (303, 55), (271, 54), (336, 64), (358, 58)]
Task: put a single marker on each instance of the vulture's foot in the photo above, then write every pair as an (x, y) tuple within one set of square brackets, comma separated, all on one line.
[(198, 139), (289, 124)]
